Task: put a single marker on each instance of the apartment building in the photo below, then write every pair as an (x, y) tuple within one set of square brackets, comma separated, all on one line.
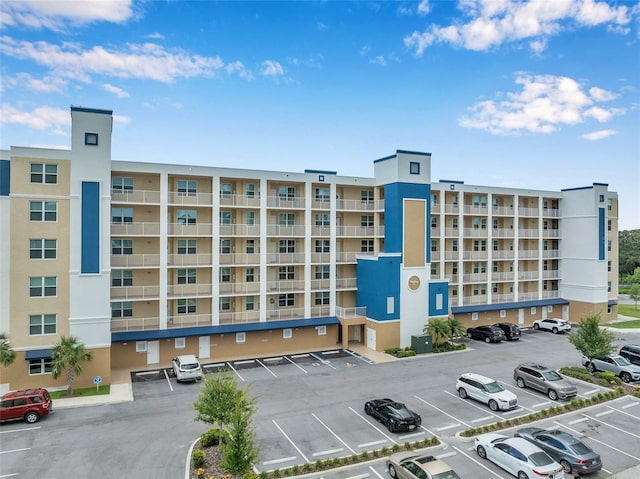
[(142, 262)]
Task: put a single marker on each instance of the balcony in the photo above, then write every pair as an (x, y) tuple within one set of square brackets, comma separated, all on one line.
[(134, 324), (289, 313), (502, 298), (528, 296), (189, 290), (502, 276), (135, 229), (476, 255), (283, 203), (476, 210), (239, 317), (359, 205), (435, 255), (550, 294), (553, 233), (475, 278), (503, 254), (502, 211), (476, 299), (453, 278), (285, 258), (551, 212), (191, 199), (528, 254), (528, 212), (135, 260), (503, 233), (320, 204), (320, 257), (476, 232), (452, 232), (240, 230), (435, 231), (320, 311), (193, 229), (551, 274), (452, 209), (528, 233), (551, 253), (200, 259), (285, 230), (320, 284), (125, 293), (351, 256), (451, 255), (189, 320), (251, 201), (320, 230), (285, 286), (239, 288), (346, 283), (135, 196), (360, 231), (528, 275), (351, 313)]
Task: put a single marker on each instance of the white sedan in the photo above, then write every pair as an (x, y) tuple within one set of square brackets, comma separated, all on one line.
[(518, 456)]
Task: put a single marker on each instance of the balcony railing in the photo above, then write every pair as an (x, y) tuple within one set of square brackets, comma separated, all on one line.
[(320, 311), (240, 230), (476, 254), (239, 288), (451, 255), (475, 278), (435, 255), (528, 212), (320, 231), (454, 232), (502, 233), (285, 203), (553, 233), (135, 260), (502, 276), (320, 284), (528, 253), (135, 292), (452, 209), (502, 298), (476, 299), (320, 257), (453, 278), (135, 229), (285, 258), (134, 324), (528, 296), (551, 274), (189, 320), (239, 317), (252, 201), (360, 231), (551, 212), (200, 259), (528, 275), (550, 294), (197, 229), (285, 286), (527, 233), (359, 205), (476, 232), (195, 199), (289, 313), (502, 254), (239, 258), (551, 253), (135, 196), (351, 256), (502, 210), (189, 290), (346, 283), (476, 210), (350, 313), (435, 231), (285, 230)]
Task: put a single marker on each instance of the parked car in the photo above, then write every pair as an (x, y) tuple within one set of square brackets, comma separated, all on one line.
[(572, 454), (631, 352), (613, 363), (26, 404), (517, 456), (487, 391), (409, 465), (554, 325), (511, 331), (394, 415), (489, 334), (187, 368), (544, 379)]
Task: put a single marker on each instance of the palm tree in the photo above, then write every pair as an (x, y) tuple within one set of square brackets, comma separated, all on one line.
[(456, 329), (7, 355), (439, 331), (68, 356)]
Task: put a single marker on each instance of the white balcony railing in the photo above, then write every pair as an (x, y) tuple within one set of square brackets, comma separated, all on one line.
[(346, 283), (135, 229), (239, 317), (360, 231), (285, 230), (349, 313), (296, 202), (251, 201), (134, 324), (239, 288), (200, 259), (359, 205), (135, 196), (197, 229), (285, 258), (189, 320), (239, 258), (135, 292), (189, 290), (285, 313), (192, 199), (240, 230), (528, 212), (528, 275), (135, 260), (285, 286)]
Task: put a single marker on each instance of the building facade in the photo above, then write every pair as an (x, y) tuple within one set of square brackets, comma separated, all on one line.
[(142, 262)]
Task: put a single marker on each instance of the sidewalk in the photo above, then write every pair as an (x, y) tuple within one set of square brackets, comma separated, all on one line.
[(120, 391)]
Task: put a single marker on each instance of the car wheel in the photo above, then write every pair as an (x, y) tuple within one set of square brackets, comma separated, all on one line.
[(462, 393), (552, 395), (555, 330), (368, 409), (392, 426), (493, 405), (522, 475), (566, 466), (31, 417), (487, 340), (536, 326), (626, 377), (392, 471), (469, 336), (481, 452), (591, 367), (520, 382)]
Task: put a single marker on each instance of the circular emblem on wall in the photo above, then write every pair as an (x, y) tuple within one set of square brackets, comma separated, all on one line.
[(414, 283)]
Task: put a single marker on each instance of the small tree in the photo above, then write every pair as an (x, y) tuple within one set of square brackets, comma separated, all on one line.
[(634, 294), (590, 339), (7, 355), (439, 330), (68, 356), (456, 329), (238, 450)]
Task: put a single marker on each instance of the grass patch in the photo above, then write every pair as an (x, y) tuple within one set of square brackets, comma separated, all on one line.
[(82, 392), (629, 310)]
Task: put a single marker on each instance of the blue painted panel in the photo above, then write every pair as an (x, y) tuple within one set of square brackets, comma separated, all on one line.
[(5, 177), (436, 288), (394, 193), (602, 233), (90, 239), (377, 280)]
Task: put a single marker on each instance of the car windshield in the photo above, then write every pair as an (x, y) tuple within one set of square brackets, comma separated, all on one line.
[(551, 376), (540, 459), (620, 361), (493, 387), (446, 475)]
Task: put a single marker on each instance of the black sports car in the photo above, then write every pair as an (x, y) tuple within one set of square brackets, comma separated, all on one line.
[(395, 415)]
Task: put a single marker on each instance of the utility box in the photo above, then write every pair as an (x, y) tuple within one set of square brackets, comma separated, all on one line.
[(422, 344)]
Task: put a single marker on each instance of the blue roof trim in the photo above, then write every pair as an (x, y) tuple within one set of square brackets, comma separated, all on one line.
[(385, 158), (409, 152), (601, 184), (457, 182), (322, 172), (91, 110), (38, 354), (121, 337), (479, 308), (612, 302), (578, 188)]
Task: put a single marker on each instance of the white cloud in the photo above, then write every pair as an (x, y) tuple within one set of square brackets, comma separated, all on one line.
[(490, 23), (48, 84), (147, 61), (56, 15), (239, 68), (598, 94), (272, 68), (543, 104), (378, 60), (54, 120), (156, 36), (119, 92), (599, 135), (423, 7)]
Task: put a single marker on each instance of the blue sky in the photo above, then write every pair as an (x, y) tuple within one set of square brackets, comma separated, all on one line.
[(529, 94)]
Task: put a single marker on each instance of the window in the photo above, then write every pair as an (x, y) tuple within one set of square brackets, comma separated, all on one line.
[(225, 303), (187, 305), (434, 221), (91, 139), (495, 245), (185, 246), (286, 193), (121, 216), (225, 218), (141, 346), (550, 308), (479, 267), (322, 246), (483, 245), (322, 194), (366, 221), (241, 337), (454, 223), (609, 245), (476, 245), (225, 246), (251, 246), (366, 196), (286, 273), (250, 190), (121, 309), (434, 199), (414, 168), (322, 330), (249, 275), (287, 333), (479, 289), (44, 173), (186, 276), (322, 297), (287, 299), (186, 187), (434, 245), (366, 246), (186, 217), (225, 190), (454, 200), (323, 220), (180, 343), (545, 265), (121, 185), (495, 202), (287, 246), (40, 366), (503, 313), (322, 271), (434, 269), (533, 310), (474, 316), (251, 218), (608, 225), (249, 304), (286, 219), (608, 286), (601, 198), (225, 275), (42, 324), (43, 211), (42, 249), (42, 286), (121, 277), (494, 288), (609, 204), (608, 265)]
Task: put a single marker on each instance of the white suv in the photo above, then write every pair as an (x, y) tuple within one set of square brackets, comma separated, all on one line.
[(486, 390), (187, 368), (553, 324)]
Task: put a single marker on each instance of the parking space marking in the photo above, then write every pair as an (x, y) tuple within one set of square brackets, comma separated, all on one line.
[(328, 451), (20, 430), (611, 426), (480, 419), (445, 455), (10, 475), (373, 443), (576, 421), (290, 441), (323, 361), (440, 410), (279, 461), (477, 462), (409, 436), (541, 404), (598, 441), (623, 412), (235, 371), (630, 405), (450, 426), (604, 413), (265, 366), (470, 402), (375, 472), (372, 425), (361, 358), (334, 434), (592, 391), (147, 373), (359, 476), (297, 365), (15, 450), (166, 375)]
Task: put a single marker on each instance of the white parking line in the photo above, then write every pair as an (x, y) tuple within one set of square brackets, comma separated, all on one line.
[(576, 421), (373, 443), (623, 412), (20, 430), (446, 454), (477, 462), (234, 370), (334, 434), (541, 404), (612, 426), (296, 364), (450, 426), (279, 461), (470, 402), (146, 373), (333, 351), (440, 410), (9, 475), (359, 476), (327, 452), (361, 358), (265, 366), (166, 375), (376, 472), (409, 436), (626, 406), (296, 356), (15, 450), (246, 361), (372, 425), (324, 361), (592, 391), (579, 433), (290, 441), (480, 419), (604, 413)]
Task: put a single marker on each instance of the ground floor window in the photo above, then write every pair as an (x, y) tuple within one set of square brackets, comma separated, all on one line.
[(40, 366)]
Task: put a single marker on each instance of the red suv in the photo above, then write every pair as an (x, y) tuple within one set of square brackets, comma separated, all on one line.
[(27, 404)]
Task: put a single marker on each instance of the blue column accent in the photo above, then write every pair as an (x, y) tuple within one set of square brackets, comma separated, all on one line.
[(435, 289), (602, 234), (5, 177), (90, 239), (377, 280)]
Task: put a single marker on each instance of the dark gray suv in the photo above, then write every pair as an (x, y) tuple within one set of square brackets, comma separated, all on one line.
[(544, 379), (631, 352)]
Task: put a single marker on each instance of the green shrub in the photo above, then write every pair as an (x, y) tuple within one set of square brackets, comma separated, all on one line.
[(306, 467), (435, 441), (250, 475), (263, 475), (393, 351), (395, 447), (406, 353), (210, 438), (276, 473), (197, 458)]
